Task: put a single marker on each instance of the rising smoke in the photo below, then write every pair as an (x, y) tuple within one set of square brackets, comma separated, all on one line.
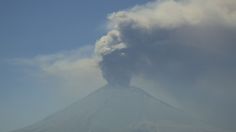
[(184, 45), (167, 38)]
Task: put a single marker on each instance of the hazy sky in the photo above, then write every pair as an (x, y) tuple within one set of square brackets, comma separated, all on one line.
[(33, 28), (181, 51)]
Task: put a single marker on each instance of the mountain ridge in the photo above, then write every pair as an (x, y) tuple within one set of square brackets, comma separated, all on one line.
[(111, 109)]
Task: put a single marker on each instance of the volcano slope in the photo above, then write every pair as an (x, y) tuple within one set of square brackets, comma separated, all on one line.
[(119, 110)]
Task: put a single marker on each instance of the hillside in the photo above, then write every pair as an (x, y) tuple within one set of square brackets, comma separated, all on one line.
[(119, 110)]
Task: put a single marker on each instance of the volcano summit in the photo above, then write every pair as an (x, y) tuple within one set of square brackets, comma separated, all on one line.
[(119, 110)]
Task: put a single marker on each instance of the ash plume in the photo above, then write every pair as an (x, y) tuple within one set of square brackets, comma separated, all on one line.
[(167, 36), (187, 47)]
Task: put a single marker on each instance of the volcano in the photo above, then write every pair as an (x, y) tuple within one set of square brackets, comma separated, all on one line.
[(119, 110)]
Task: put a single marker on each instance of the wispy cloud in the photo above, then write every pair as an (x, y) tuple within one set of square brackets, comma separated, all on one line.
[(72, 70)]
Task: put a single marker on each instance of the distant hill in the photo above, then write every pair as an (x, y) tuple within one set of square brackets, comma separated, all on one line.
[(119, 110)]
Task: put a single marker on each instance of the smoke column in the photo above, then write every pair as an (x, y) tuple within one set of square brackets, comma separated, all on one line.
[(186, 46), (167, 35)]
